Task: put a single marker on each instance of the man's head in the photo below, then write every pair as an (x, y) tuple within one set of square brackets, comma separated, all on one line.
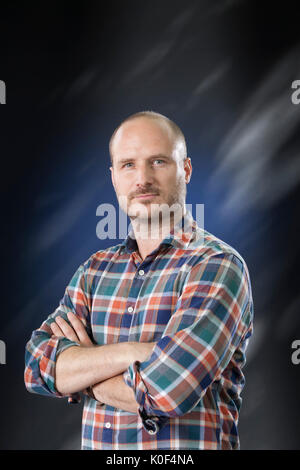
[(148, 155)]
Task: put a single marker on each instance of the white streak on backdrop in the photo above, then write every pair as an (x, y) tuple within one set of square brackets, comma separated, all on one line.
[(248, 154)]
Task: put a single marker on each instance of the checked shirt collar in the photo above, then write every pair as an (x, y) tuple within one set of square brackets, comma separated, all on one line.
[(180, 236)]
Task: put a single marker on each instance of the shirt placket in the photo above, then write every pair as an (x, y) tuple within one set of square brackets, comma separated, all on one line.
[(142, 267)]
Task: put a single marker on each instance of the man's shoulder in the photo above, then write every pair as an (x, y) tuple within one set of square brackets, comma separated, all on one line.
[(208, 248), (206, 245)]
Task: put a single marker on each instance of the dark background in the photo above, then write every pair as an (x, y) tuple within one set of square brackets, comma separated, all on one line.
[(222, 70)]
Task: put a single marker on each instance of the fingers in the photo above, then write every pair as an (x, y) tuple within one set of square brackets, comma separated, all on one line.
[(80, 330), (64, 329), (75, 332), (56, 330)]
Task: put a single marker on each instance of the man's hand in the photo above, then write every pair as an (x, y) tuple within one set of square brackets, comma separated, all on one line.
[(115, 392), (76, 332)]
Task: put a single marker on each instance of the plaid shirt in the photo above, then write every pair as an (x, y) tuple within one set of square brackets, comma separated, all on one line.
[(192, 296)]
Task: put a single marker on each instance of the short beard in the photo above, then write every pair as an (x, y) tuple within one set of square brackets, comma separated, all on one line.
[(160, 216)]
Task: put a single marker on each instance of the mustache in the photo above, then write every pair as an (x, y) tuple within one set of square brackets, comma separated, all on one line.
[(140, 193)]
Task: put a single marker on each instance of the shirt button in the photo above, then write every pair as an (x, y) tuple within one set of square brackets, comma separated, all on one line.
[(107, 425), (130, 309), (141, 272)]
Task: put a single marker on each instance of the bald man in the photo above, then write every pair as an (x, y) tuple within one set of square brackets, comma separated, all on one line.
[(153, 331)]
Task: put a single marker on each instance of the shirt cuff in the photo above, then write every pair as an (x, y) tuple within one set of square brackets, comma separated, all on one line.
[(56, 345), (152, 424), (65, 343), (74, 398)]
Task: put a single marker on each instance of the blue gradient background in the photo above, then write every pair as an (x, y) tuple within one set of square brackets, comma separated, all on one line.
[(222, 71)]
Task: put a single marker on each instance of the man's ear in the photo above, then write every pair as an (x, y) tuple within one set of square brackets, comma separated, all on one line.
[(188, 169)]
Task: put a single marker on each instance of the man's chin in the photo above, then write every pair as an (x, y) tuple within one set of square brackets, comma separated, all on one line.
[(141, 210)]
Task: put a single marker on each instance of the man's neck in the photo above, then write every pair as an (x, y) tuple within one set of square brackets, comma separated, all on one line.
[(149, 236), (146, 246)]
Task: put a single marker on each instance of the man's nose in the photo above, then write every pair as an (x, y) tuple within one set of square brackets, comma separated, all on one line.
[(144, 175)]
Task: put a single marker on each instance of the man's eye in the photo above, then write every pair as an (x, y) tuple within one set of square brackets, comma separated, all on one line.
[(159, 160), (125, 165)]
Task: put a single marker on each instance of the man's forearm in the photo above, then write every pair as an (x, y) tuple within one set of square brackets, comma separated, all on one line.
[(115, 392), (80, 367)]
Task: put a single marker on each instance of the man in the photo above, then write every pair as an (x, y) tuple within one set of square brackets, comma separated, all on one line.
[(152, 330)]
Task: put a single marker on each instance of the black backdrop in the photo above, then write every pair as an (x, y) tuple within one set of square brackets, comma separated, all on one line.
[(223, 71)]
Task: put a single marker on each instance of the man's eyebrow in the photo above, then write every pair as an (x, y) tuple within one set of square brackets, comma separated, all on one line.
[(130, 159)]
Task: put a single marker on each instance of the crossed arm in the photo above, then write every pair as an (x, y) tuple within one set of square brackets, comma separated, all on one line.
[(98, 367), (212, 318)]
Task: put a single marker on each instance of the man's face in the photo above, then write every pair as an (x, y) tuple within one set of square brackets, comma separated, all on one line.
[(148, 167)]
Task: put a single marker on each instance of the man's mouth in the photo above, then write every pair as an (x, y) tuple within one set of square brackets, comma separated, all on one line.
[(144, 196)]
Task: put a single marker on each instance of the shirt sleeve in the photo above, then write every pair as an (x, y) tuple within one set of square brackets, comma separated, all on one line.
[(43, 348), (211, 317)]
